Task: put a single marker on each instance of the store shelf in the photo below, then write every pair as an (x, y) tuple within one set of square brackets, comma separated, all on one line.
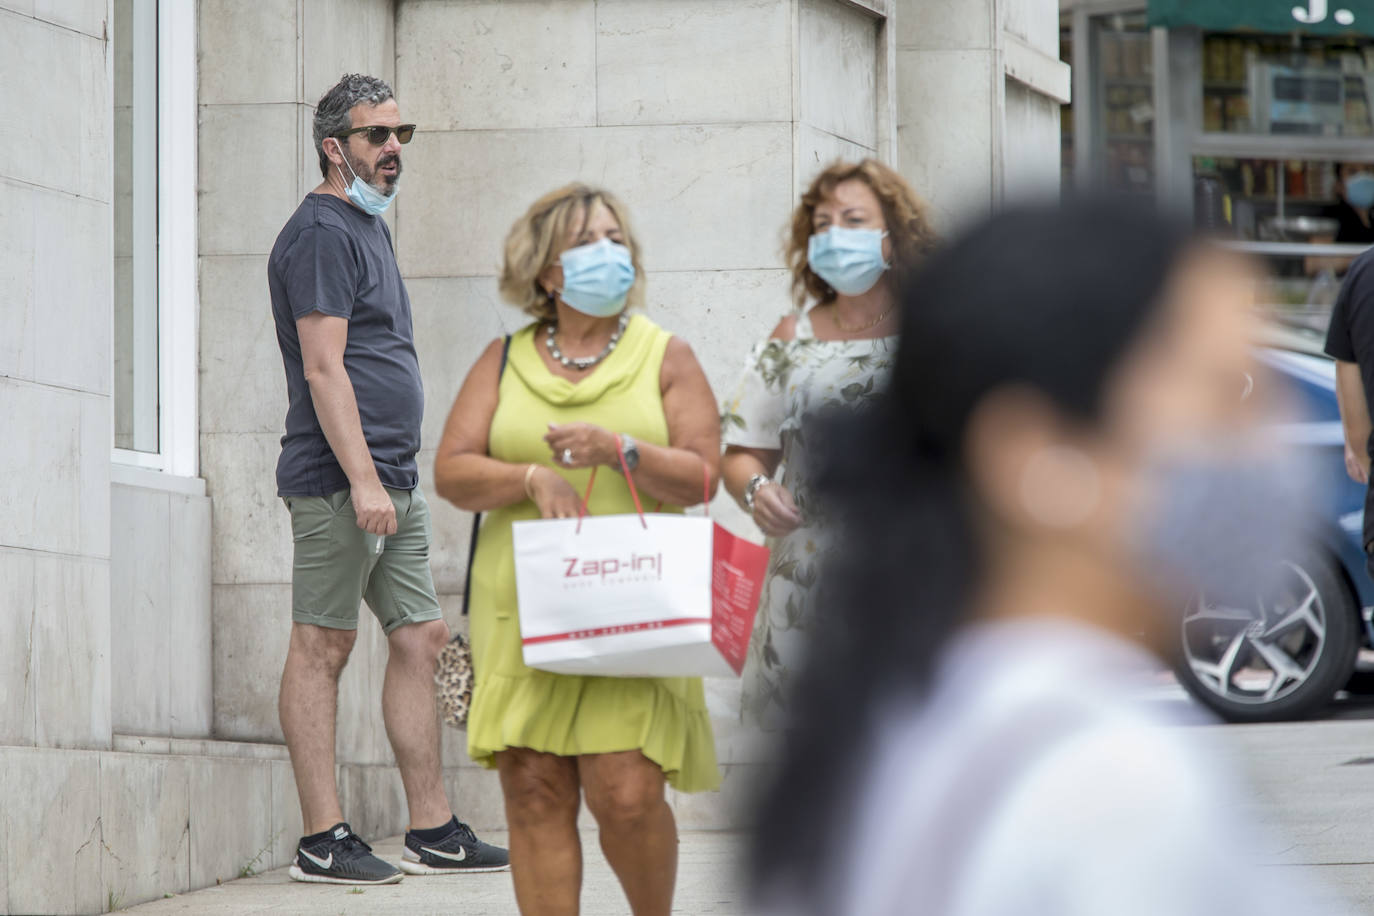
[(1262, 146)]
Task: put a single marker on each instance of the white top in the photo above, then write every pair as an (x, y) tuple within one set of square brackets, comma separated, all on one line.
[(783, 383), (1032, 784)]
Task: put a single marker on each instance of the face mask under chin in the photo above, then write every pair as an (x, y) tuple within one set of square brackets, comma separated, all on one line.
[(364, 195)]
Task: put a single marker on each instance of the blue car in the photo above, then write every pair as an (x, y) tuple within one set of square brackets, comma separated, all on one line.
[(1286, 656)]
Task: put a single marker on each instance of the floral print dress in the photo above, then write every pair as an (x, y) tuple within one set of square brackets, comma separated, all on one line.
[(784, 382)]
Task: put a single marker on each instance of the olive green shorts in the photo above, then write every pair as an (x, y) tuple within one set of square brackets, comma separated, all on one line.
[(338, 565)]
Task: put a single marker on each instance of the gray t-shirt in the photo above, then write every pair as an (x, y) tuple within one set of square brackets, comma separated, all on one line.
[(335, 259)]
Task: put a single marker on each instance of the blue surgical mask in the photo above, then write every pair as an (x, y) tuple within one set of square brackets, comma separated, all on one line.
[(1359, 190), (597, 277), (850, 260), (364, 196)]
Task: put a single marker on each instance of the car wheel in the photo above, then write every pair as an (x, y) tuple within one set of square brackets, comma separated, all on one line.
[(1282, 657)]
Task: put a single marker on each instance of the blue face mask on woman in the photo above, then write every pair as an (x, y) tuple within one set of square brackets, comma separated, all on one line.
[(1359, 190), (597, 277), (1226, 527), (364, 196), (850, 260)]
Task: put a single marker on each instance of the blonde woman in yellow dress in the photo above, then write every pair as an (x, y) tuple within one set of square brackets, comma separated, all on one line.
[(529, 425)]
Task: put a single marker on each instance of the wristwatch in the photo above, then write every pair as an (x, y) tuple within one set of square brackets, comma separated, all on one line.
[(752, 488), (630, 449)]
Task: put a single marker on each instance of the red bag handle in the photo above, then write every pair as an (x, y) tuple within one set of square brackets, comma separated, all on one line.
[(584, 510)]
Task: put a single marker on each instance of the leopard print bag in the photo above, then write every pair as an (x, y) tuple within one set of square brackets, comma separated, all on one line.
[(453, 674), (453, 678)]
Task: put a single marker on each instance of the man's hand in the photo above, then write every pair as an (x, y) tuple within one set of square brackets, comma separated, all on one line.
[(1356, 465), (373, 506)]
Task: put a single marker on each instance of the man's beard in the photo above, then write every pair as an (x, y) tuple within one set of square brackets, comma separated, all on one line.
[(386, 184)]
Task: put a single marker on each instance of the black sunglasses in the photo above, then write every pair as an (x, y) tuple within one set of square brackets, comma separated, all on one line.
[(378, 134)]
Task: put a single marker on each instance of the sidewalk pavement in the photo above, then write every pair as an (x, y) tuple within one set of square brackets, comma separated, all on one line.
[(705, 887)]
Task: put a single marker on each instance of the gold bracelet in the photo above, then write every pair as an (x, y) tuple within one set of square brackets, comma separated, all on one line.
[(529, 472)]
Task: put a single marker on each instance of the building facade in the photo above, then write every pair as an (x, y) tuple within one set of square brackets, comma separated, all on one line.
[(154, 148)]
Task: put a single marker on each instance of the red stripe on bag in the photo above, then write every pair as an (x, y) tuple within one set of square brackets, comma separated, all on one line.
[(616, 630)]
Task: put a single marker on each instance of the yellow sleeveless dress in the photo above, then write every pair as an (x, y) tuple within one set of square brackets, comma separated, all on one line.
[(517, 706)]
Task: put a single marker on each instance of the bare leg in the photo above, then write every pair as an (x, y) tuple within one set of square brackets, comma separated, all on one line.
[(545, 851), (412, 724), (308, 705), (638, 833)]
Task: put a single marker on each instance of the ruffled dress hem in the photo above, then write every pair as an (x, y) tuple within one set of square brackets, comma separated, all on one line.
[(571, 716)]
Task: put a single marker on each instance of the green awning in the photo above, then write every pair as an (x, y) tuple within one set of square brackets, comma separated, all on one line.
[(1310, 17)]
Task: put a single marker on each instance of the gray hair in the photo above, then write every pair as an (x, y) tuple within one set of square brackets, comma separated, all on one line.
[(332, 114)]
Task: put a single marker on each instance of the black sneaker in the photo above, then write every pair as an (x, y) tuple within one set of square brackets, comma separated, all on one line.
[(458, 853), (340, 858)]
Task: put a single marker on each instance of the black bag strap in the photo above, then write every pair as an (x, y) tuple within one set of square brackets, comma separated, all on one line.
[(477, 516)]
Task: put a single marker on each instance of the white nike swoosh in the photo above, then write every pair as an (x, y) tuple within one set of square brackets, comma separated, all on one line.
[(324, 863), (462, 854)]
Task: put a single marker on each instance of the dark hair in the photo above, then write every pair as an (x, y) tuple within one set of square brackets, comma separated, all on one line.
[(334, 111), (1051, 298)]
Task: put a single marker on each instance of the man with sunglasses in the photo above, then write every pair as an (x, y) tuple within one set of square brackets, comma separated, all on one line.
[(348, 476)]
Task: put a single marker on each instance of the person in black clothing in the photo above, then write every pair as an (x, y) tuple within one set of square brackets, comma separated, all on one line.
[(1352, 213), (1355, 185), (1350, 342)]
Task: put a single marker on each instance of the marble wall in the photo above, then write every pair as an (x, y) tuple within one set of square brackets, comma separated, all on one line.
[(160, 611), (978, 107), (55, 376)]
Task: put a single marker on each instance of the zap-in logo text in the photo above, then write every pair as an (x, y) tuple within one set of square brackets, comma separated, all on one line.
[(637, 567)]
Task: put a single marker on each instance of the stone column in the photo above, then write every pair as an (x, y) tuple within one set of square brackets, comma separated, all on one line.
[(55, 378)]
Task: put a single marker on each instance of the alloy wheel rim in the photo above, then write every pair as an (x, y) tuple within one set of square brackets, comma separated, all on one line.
[(1258, 654)]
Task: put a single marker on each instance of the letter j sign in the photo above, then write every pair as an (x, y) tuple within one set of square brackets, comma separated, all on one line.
[(1275, 17), (1315, 12)]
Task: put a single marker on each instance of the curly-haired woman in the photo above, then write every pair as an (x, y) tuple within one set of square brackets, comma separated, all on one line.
[(583, 382), (857, 226)]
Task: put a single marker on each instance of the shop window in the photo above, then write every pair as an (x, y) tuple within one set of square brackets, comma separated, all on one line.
[(1298, 215), (1286, 123), (134, 49), (1126, 102), (154, 303), (1108, 132), (1287, 85)]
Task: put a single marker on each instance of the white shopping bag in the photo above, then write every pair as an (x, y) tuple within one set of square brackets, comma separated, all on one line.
[(648, 595)]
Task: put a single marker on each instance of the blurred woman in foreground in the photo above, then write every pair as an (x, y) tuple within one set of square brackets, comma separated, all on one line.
[(1065, 457)]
